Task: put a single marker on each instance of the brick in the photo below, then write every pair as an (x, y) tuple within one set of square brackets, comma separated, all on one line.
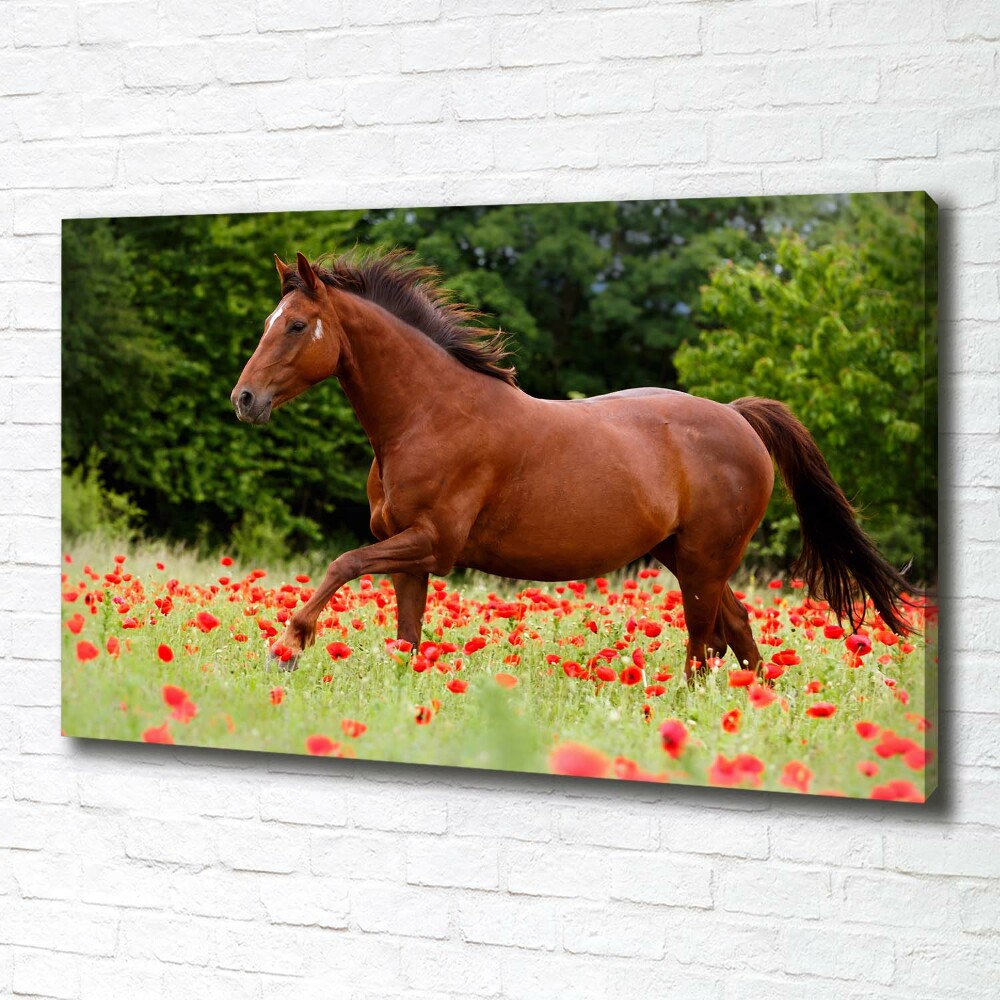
[(357, 855), (886, 23), (954, 968), (168, 840), (113, 979), (46, 974), (586, 92), (979, 909), (773, 139), (708, 832), (500, 94), (608, 827), (288, 106), (458, 863), (441, 968), (214, 892), (223, 17), (159, 937), (972, 20), (853, 80), (304, 800), (649, 34), (58, 927), (655, 142), (378, 908), (754, 28), (352, 53), (43, 875), (661, 879), (466, 151), (444, 46), (897, 901), (539, 146), (312, 902), (512, 921), (172, 65), (974, 130), (843, 844), (554, 871), (766, 890), (391, 11), (260, 60), (883, 135), (261, 847), (958, 852), (273, 15), (111, 23), (277, 950), (526, 43), (374, 102), (603, 930), (42, 24), (513, 818)]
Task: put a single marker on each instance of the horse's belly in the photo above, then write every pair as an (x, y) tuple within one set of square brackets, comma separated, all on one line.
[(574, 534)]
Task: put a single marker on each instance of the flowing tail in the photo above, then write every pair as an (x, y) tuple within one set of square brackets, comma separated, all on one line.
[(838, 561)]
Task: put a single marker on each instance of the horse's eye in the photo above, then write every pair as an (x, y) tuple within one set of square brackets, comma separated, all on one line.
[(297, 327)]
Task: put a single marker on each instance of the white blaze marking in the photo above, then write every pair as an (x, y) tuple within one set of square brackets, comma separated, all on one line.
[(269, 322), (318, 332)]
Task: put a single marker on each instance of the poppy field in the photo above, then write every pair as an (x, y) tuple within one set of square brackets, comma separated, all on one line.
[(581, 678)]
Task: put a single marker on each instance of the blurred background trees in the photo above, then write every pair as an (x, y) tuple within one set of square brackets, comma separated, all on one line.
[(825, 303)]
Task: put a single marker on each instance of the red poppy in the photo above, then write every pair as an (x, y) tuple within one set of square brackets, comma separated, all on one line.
[(630, 675), (277, 695), (320, 746), (226, 561), (76, 623), (352, 728), (866, 730), (741, 678), (572, 669), (833, 631), (339, 650), (206, 621), (423, 715), (786, 658), (158, 734), (113, 646), (301, 578), (891, 745), (86, 651), (760, 696), (773, 671), (814, 687), (744, 768), (674, 735), (506, 680), (821, 709), (457, 687), (796, 775), (578, 760), (897, 791), (164, 652), (477, 642), (606, 673), (859, 644), (868, 768), (655, 690), (917, 758), (731, 721)]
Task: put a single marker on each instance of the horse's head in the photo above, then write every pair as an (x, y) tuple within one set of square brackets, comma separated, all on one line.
[(300, 345)]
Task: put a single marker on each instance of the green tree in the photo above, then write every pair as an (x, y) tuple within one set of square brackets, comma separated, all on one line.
[(842, 327)]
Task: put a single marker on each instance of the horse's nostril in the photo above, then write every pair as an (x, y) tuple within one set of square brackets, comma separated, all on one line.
[(245, 399)]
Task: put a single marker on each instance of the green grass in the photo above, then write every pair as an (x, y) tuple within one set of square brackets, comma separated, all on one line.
[(230, 683)]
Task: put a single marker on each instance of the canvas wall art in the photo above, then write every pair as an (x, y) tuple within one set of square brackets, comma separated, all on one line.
[(623, 490)]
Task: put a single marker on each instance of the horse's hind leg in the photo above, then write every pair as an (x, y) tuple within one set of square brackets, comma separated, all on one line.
[(734, 621), (702, 589)]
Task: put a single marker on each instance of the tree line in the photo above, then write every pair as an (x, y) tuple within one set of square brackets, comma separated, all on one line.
[(827, 303)]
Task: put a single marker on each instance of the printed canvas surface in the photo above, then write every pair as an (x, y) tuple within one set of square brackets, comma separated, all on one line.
[(636, 490)]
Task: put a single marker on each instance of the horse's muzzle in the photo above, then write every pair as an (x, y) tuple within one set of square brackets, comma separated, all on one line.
[(249, 408)]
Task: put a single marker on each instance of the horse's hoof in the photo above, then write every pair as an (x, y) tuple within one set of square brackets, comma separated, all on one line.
[(288, 665)]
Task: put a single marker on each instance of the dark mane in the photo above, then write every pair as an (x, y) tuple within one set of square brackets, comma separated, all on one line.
[(412, 292)]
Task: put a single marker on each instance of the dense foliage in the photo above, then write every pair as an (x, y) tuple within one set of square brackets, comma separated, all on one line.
[(814, 301)]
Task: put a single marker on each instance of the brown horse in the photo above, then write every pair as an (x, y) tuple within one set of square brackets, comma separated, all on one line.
[(471, 471)]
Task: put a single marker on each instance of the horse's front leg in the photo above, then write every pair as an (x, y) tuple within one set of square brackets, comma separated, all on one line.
[(411, 603), (416, 551)]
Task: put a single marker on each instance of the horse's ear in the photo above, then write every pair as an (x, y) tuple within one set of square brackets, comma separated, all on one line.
[(282, 267), (306, 273)]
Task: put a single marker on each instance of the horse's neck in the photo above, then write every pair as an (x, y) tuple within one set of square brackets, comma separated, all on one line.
[(391, 373)]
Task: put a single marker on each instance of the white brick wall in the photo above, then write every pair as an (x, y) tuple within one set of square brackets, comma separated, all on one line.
[(137, 871)]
